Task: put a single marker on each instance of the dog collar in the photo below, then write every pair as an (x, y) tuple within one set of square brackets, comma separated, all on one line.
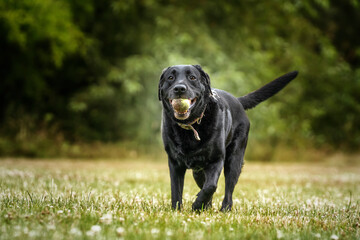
[(189, 126)]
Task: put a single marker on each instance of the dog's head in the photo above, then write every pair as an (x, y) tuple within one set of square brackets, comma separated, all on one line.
[(187, 84)]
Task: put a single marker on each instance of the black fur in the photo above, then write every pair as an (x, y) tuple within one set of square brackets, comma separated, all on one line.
[(223, 130), (252, 99)]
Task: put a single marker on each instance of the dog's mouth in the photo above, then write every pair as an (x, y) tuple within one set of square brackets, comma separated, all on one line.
[(182, 107)]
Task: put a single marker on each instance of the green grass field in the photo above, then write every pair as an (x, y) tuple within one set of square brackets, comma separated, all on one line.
[(64, 199)]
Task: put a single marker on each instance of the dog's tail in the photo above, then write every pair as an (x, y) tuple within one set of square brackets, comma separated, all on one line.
[(254, 98)]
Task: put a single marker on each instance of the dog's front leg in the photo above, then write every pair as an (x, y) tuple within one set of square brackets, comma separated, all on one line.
[(177, 175), (212, 173)]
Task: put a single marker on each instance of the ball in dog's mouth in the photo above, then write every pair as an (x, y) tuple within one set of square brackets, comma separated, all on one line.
[(182, 107)]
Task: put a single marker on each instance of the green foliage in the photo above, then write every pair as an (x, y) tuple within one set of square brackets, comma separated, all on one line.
[(88, 70), (36, 38)]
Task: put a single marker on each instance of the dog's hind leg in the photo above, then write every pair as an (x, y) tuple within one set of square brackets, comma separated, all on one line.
[(199, 176), (232, 169), (204, 197)]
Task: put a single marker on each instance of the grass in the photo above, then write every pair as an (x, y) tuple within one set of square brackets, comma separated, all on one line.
[(130, 199)]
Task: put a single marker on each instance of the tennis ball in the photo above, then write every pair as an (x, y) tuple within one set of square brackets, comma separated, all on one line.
[(181, 105)]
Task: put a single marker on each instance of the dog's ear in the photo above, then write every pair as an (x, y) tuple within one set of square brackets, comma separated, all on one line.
[(161, 81), (205, 78)]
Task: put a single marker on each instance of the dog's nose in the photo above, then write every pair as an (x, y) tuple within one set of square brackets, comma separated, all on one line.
[(180, 88)]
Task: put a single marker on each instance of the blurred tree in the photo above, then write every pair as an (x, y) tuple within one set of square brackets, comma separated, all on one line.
[(332, 86), (88, 69), (36, 38)]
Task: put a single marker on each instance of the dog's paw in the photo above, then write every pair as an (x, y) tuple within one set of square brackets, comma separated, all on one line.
[(176, 206), (226, 207), (200, 206)]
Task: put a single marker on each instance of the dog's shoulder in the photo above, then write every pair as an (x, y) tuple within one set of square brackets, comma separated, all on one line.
[(226, 99)]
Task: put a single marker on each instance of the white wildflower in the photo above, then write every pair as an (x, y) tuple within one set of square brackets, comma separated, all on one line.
[(75, 231), (106, 218), (317, 235), (90, 233), (93, 230), (17, 231), (169, 233), (279, 234), (334, 237), (137, 199), (197, 235), (120, 231), (33, 233), (155, 231), (96, 228), (60, 211), (51, 227), (17, 228)]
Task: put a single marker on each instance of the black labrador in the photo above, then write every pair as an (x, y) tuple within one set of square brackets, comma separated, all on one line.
[(210, 134)]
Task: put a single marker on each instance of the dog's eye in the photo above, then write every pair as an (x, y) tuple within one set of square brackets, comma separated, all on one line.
[(192, 77), (171, 78)]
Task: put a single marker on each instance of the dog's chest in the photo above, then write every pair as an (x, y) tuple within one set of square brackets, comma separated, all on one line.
[(193, 155), (192, 160)]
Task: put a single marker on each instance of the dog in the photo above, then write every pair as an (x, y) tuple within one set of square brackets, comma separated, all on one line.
[(208, 133)]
